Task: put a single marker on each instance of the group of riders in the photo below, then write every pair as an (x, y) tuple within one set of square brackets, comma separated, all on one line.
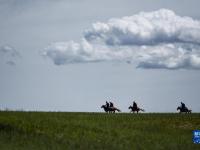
[(109, 107), (110, 104)]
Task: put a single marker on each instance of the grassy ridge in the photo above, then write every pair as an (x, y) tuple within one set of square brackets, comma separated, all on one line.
[(57, 130)]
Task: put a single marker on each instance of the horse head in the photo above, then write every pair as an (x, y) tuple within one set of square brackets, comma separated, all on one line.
[(178, 108), (103, 106), (130, 107)]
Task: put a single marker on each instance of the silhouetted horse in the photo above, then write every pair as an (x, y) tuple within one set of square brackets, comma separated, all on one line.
[(186, 110), (109, 109), (133, 109)]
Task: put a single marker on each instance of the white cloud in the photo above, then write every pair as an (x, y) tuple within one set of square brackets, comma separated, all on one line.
[(169, 56), (9, 54), (159, 39), (72, 52), (146, 28)]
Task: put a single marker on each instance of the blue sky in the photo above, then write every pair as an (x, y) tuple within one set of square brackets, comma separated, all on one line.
[(53, 59)]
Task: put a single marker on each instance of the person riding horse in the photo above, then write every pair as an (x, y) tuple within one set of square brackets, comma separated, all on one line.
[(135, 105), (183, 108), (183, 105), (111, 104), (135, 108), (107, 104)]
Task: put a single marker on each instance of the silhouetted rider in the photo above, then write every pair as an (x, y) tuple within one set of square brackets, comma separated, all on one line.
[(134, 104), (107, 104), (182, 105), (111, 104)]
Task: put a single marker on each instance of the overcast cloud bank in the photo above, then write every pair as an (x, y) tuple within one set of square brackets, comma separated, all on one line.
[(159, 39)]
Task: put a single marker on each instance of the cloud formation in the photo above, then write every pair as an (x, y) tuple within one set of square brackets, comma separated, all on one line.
[(146, 28), (169, 56), (158, 39), (9, 54), (72, 52)]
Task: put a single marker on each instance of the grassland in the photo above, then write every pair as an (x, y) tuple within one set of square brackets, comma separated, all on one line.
[(60, 130)]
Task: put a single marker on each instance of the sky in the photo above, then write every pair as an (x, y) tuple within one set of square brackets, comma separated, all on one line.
[(73, 55)]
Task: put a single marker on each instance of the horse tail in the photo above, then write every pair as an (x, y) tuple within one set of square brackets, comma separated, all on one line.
[(118, 110), (142, 109)]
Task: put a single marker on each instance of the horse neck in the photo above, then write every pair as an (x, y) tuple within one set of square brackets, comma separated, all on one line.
[(105, 108)]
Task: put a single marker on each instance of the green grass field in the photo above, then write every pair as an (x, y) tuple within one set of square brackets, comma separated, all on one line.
[(60, 130)]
